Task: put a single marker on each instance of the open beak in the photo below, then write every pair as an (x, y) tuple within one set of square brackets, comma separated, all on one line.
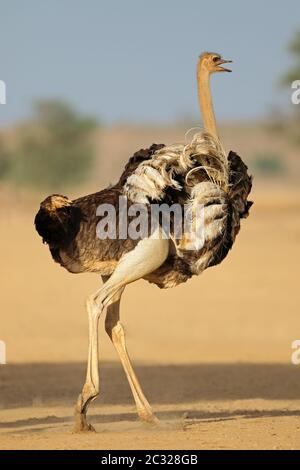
[(224, 69)]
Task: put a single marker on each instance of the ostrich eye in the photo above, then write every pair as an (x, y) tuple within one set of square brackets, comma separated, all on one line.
[(216, 59)]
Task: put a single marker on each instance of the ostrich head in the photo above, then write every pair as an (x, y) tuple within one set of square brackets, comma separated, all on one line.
[(213, 62)]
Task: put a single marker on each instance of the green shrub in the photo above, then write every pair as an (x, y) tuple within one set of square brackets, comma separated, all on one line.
[(54, 150), (294, 72), (5, 161), (268, 164)]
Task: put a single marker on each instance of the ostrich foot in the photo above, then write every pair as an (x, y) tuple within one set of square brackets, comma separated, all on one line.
[(81, 424), (148, 418), (84, 398)]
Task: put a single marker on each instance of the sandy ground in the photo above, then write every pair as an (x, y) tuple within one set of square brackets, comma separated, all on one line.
[(213, 356)]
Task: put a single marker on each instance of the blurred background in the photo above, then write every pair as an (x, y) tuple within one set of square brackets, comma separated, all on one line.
[(90, 82)]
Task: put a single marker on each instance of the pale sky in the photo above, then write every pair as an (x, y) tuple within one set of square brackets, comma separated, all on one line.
[(134, 60)]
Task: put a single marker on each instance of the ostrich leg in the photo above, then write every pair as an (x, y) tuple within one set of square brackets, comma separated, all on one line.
[(148, 255), (116, 333), (90, 389)]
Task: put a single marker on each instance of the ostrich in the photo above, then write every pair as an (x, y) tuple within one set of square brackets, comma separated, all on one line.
[(196, 173)]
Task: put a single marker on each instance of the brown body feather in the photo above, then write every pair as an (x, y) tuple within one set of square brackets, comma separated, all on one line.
[(69, 227)]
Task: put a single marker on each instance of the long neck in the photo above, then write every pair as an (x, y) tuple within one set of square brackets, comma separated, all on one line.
[(205, 101)]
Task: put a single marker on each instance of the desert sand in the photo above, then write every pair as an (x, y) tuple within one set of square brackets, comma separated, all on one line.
[(213, 355)]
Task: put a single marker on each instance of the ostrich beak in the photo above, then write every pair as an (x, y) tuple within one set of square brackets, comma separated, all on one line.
[(223, 69)]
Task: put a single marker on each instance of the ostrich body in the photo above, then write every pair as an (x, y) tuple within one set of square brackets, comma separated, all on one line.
[(193, 174)]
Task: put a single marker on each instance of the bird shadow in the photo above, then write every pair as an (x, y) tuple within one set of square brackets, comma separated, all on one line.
[(187, 419), (48, 384)]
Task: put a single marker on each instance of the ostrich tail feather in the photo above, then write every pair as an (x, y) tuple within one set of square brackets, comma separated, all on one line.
[(178, 166)]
